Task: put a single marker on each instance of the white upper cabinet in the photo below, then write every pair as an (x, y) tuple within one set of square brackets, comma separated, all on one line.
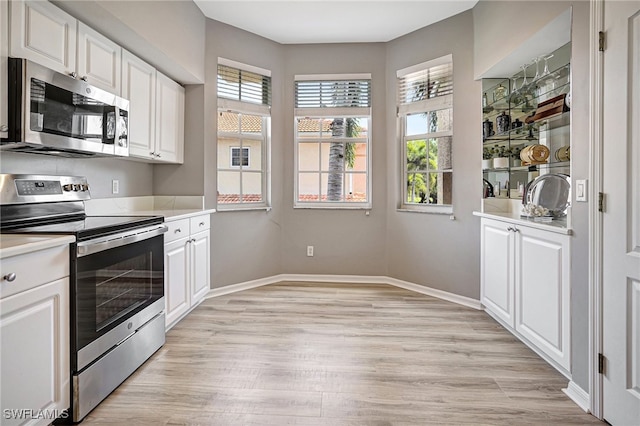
[(99, 59), (139, 86), (169, 120), (43, 33)]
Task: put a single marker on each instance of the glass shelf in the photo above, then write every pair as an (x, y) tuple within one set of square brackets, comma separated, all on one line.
[(524, 103)]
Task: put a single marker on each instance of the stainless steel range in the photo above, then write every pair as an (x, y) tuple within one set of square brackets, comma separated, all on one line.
[(117, 279)]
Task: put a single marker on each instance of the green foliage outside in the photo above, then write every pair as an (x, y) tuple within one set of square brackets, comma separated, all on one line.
[(419, 160), (421, 157)]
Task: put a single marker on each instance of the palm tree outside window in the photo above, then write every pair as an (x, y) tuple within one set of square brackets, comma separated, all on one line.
[(333, 117)]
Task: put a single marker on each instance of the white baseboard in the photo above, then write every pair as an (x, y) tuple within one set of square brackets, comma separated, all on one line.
[(234, 288), (578, 395), (348, 279)]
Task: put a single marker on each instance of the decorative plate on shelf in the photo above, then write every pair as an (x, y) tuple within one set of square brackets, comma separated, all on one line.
[(551, 192)]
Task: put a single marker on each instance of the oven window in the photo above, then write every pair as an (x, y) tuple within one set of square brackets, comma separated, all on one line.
[(111, 286), (122, 287)]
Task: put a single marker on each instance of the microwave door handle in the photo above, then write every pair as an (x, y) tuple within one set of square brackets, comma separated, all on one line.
[(120, 132), (106, 138), (97, 245)]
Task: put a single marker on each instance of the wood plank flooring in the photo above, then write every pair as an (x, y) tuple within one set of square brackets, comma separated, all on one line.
[(339, 354)]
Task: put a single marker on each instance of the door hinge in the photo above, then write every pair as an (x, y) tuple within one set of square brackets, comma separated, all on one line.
[(600, 201), (600, 364), (601, 41)]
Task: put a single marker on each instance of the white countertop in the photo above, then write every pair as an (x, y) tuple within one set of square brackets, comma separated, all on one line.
[(15, 244), (557, 225), (169, 214), (508, 210), (170, 207)]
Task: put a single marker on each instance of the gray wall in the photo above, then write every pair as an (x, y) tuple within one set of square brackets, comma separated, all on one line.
[(347, 242), (245, 244), (135, 178), (429, 249), (488, 36)]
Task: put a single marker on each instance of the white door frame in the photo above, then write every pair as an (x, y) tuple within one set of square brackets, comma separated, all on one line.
[(596, 85)]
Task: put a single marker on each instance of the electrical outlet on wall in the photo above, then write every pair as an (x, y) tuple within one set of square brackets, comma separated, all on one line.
[(310, 251), (115, 186)]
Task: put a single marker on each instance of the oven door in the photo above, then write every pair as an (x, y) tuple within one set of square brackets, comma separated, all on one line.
[(118, 286)]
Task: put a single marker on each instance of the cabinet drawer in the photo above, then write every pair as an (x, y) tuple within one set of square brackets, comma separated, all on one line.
[(176, 229), (200, 223), (33, 269)]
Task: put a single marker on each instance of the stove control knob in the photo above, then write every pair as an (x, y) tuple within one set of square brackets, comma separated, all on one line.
[(67, 187), (85, 187), (76, 187)]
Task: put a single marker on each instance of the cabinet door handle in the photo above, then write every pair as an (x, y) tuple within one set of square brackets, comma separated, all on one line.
[(83, 78), (516, 230), (509, 229), (193, 240), (73, 74), (10, 277), (4, 128)]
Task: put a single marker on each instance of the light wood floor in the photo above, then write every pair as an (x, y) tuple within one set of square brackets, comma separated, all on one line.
[(323, 354)]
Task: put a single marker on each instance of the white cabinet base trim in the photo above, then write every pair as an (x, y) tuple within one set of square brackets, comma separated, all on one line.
[(578, 395), (347, 279)]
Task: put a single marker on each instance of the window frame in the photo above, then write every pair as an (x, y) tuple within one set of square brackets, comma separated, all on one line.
[(328, 112), (226, 105), (422, 106)]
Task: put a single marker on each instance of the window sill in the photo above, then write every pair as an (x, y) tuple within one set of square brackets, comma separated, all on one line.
[(333, 207), (238, 208), (442, 210)]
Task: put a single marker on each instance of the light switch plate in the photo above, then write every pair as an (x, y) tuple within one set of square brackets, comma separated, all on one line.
[(581, 190)]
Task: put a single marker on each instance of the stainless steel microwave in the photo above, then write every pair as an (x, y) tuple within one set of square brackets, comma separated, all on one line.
[(53, 113)]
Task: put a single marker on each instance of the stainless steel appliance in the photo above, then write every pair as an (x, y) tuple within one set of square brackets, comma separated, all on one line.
[(53, 113), (117, 280)]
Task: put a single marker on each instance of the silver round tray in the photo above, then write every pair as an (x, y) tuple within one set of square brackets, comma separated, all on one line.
[(552, 192)]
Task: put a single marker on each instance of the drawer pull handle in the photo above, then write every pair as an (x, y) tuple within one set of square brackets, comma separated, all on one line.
[(201, 223), (177, 230), (10, 277)]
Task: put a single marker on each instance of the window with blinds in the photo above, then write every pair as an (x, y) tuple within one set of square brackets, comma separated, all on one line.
[(425, 118), (428, 81), (244, 100), (332, 94), (244, 86), (332, 125)]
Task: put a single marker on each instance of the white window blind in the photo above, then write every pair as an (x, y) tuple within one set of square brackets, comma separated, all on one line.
[(243, 86), (426, 86), (347, 95)]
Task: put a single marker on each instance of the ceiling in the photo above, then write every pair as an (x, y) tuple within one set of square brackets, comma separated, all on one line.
[(330, 21)]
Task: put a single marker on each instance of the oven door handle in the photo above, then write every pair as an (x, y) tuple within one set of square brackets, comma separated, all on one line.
[(96, 245)]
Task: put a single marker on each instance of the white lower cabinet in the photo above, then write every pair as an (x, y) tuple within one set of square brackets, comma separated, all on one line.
[(186, 266), (34, 337), (526, 285)]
